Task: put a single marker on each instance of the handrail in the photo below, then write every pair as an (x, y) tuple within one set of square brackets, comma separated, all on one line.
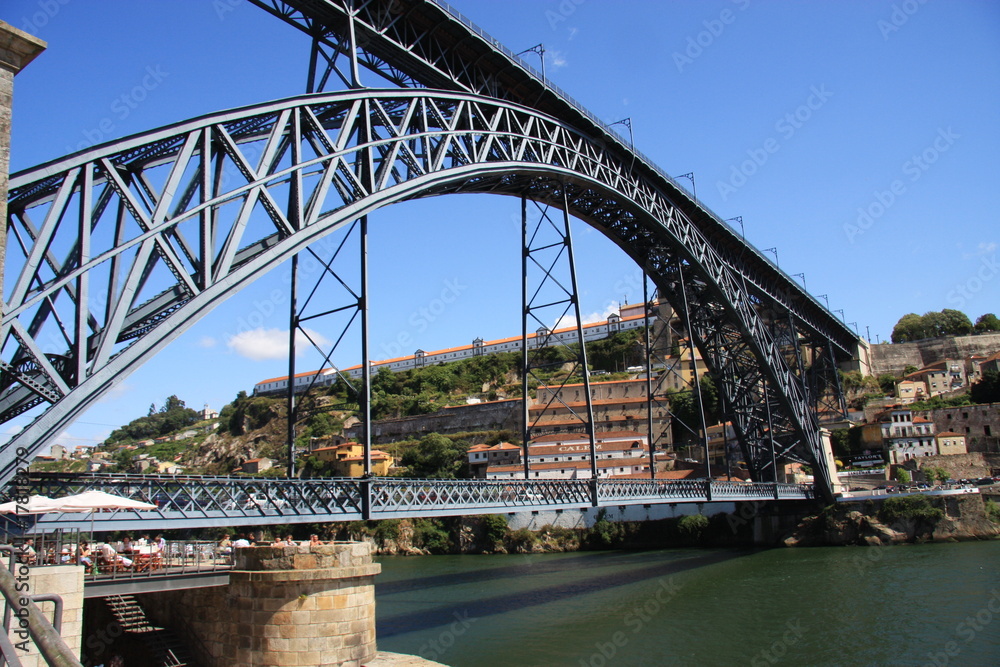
[(50, 643)]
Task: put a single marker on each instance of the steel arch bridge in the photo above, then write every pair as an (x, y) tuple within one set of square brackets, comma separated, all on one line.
[(120, 248)]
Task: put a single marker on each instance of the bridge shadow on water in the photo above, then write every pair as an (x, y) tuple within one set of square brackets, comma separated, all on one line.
[(480, 607)]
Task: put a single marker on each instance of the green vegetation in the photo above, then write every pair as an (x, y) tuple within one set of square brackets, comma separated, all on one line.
[(172, 417), (692, 525), (687, 420), (436, 457), (987, 323), (948, 322), (986, 390), (992, 511), (903, 475), (940, 402), (909, 508)]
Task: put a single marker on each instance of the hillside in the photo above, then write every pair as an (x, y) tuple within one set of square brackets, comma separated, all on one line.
[(172, 439)]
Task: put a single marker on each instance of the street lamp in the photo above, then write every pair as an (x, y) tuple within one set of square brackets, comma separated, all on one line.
[(690, 177), (825, 298), (855, 325), (627, 122), (540, 50), (775, 251), (739, 219), (803, 276), (841, 311)]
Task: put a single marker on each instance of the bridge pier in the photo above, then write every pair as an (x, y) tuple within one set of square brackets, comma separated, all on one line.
[(66, 581), (283, 606)]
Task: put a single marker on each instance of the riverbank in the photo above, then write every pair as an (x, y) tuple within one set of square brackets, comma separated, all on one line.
[(900, 520), (869, 522)]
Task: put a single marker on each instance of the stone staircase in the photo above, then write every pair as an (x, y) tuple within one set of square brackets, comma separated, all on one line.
[(165, 647)]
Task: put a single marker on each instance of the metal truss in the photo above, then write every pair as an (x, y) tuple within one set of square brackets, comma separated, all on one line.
[(549, 295), (415, 43), (162, 227), (241, 501)]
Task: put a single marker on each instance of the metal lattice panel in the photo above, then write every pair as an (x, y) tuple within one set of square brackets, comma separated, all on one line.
[(241, 501)]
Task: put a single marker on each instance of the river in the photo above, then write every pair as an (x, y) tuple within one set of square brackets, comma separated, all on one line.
[(936, 604)]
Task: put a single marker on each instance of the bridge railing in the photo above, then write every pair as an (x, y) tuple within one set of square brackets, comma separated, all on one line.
[(232, 501)]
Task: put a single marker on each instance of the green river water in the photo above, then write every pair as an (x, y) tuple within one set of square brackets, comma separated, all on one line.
[(936, 604)]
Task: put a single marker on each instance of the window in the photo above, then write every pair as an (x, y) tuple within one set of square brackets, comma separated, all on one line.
[(986, 430)]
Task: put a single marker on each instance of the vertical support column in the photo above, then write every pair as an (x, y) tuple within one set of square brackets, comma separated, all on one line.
[(17, 49), (293, 327), (525, 399), (366, 375), (583, 350), (694, 371), (352, 35), (649, 378)]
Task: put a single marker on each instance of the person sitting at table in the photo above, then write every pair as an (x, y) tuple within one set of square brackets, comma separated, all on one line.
[(127, 546), (241, 541), (143, 541), (280, 542), (159, 544), (225, 545), (84, 554), (26, 554), (314, 540), (112, 556)]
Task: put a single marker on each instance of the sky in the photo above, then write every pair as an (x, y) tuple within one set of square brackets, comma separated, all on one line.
[(857, 138)]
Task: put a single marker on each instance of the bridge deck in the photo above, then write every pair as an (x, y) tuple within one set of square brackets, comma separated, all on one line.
[(196, 502)]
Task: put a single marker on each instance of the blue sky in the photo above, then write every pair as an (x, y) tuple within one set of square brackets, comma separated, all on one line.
[(857, 138)]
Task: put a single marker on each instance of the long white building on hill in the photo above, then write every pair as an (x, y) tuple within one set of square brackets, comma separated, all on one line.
[(628, 317)]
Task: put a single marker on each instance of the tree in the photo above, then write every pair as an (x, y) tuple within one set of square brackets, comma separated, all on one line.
[(887, 382), (986, 323), (910, 368), (909, 327), (435, 457), (902, 475), (987, 390), (954, 323)]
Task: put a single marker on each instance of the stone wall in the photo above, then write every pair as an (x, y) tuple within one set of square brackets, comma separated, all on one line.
[(306, 606), (894, 358), (491, 416), (963, 466), (980, 424), (65, 581)]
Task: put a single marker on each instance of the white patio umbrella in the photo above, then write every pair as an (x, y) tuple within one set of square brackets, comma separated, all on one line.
[(35, 505), (95, 501)]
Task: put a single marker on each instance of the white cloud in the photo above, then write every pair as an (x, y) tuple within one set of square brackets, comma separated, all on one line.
[(556, 58), (981, 249), (260, 344), (207, 342), (570, 320)]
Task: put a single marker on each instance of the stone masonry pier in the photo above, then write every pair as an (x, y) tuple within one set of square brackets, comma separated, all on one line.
[(284, 606)]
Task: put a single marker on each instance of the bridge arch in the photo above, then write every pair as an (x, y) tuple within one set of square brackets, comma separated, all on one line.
[(140, 223)]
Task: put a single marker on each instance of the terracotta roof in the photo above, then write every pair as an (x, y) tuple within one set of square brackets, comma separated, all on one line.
[(570, 437), (559, 465), (950, 434)]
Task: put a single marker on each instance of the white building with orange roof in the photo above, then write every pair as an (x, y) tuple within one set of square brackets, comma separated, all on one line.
[(906, 437), (630, 317)]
